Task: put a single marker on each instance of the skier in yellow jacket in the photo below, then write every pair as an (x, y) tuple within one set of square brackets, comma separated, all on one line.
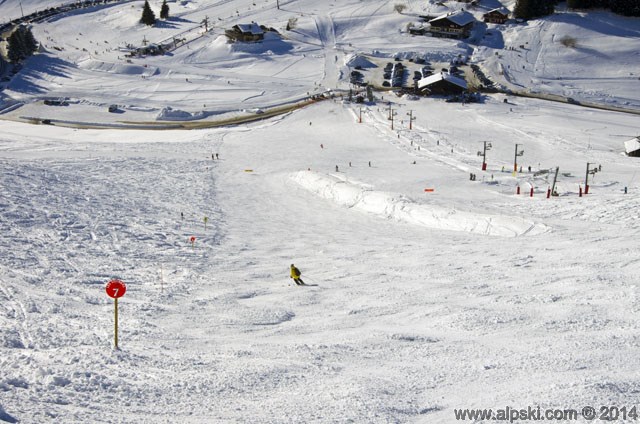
[(295, 274)]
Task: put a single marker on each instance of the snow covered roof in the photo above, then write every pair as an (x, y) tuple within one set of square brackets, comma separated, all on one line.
[(632, 145), (460, 17), (361, 61), (424, 82), (252, 28), (502, 10)]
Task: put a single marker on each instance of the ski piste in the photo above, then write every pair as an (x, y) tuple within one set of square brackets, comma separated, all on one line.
[(305, 284)]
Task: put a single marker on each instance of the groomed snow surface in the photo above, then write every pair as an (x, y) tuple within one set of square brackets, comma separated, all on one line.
[(429, 290), (416, 310)]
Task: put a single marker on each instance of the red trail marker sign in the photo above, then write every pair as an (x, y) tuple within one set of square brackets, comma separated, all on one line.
[(116, 289)]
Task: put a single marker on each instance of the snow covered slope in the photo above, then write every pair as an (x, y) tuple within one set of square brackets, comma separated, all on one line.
[(406, 322), (85, 59), (587, 56), (415, 307)]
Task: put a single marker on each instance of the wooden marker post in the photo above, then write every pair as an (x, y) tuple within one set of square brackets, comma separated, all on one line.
[(161, 279), (115, 289)]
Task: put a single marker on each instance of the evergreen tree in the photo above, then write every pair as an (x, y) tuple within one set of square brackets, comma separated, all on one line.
[(164, 10), (30, 43), (522, 9), (575, 4), (622, 7), (527, 9), (548, 7), (21, 44), (596, 4), (148, 17), (14, 49), (542, 8), (626, 7)]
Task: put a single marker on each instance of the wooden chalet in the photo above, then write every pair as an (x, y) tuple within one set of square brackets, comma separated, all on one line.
[(496, 16), (632, 147), (442, 83), (245, 33), (455, 25), (417, 30)]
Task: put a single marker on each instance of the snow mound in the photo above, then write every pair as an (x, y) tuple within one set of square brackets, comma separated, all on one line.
[(257, 316), (170, 114), (355, 61), (118, 68), (4, 416), (351, 195), (271, 45)]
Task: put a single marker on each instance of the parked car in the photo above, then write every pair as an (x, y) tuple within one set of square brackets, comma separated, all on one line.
[(56, 102)]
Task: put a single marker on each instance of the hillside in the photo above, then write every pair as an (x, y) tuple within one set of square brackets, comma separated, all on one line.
[(433, 287), (587, 56), (205, 77)]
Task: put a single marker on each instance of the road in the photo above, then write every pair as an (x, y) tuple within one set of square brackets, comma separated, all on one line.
[(562, 99)]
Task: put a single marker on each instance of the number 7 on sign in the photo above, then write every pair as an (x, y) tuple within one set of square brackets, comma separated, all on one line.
[(116, 289)]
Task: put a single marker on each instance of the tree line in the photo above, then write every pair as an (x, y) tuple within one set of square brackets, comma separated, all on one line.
[(149, 18), (21, 44), (529, 9), (621, 7)]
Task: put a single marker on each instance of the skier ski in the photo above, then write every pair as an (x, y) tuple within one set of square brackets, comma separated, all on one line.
[(295, 274)]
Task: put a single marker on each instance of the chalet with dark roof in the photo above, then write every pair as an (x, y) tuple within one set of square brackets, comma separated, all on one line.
[(455, 25), (245, 32), (496, 16), (632, 147)]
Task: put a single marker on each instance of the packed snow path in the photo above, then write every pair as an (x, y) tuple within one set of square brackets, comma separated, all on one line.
[(406, 323)]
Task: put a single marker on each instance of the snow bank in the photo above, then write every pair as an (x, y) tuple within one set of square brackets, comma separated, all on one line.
[(10, 106), (170, 114), (4, 416), (354, 61), (357, 196), (118, 68), (444, 53), (271, 45)]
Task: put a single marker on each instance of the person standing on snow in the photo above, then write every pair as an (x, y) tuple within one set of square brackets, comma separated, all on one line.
[(295, 274)]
